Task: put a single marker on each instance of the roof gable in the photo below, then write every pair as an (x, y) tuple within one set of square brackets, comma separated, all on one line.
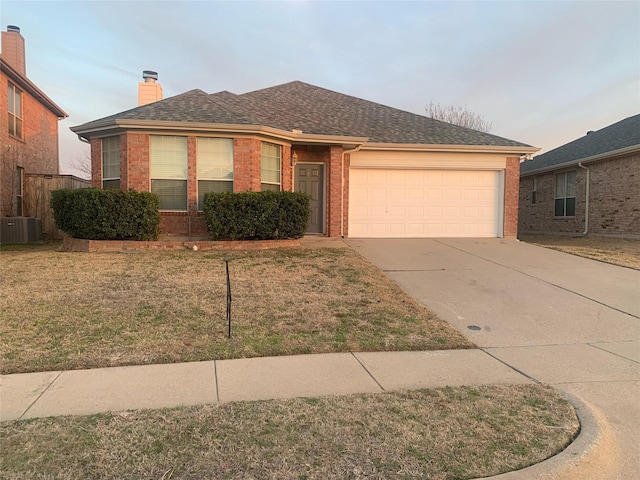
[(620, 135)]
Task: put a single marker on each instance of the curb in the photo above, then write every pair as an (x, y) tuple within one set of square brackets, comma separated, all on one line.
[(585, 443)]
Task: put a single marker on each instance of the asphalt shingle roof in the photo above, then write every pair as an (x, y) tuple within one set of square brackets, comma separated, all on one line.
[(314, 110), (194, 106), (625, 133)]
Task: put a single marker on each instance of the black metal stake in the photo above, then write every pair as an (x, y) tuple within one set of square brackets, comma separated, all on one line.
[(226, 261)]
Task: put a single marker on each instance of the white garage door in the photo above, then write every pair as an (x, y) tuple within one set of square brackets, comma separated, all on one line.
[(423, 203)]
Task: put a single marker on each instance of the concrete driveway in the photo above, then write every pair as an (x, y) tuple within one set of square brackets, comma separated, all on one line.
[(562, 320)]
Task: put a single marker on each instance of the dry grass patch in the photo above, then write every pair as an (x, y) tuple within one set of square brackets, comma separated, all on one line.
[(77, 310), (618, 251), (450, 433)]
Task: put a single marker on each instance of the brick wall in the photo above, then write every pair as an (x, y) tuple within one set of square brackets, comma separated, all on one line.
[(135, 173), (246, 164), (511, 187), (96, 162), (36, 152), (135, 162), (539, 217), (614, 197), (614, 200)]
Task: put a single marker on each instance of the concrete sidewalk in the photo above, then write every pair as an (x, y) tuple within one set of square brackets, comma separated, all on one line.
[(82, 392)]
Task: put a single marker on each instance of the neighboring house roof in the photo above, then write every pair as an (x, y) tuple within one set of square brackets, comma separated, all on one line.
[(28, 86), (615, 139), (313, 110)]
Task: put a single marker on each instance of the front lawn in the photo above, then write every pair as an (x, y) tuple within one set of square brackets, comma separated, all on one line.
[(618, 251), (65, 311), (440, 434)]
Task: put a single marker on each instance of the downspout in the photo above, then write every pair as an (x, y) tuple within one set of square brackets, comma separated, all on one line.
[(586, 202), (342, 189)]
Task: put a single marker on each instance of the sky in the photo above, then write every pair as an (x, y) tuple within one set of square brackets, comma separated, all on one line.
[(543, 72)]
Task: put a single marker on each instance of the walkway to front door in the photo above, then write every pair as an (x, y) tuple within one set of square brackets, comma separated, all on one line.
[(309, 179)]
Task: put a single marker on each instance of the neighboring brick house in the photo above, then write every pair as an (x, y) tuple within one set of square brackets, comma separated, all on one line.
[(28, 126), (371, 170), (588, 186)]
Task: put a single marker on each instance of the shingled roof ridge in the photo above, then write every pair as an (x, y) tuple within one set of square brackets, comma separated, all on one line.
[(429, 122), (621, 134)]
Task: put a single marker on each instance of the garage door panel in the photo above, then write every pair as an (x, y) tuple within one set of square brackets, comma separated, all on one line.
[(423, 203)]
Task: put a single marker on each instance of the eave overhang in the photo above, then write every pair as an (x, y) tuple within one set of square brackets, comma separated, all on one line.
[(594, 158), (109, 127), (28, 86), (415, 147)]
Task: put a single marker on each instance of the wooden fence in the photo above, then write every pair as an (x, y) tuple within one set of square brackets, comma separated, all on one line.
[(37, 199)]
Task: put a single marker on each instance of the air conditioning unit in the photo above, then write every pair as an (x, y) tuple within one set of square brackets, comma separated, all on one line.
[(20, 230)]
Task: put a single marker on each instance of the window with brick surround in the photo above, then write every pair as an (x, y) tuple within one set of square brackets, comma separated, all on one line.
[(565, 197), (168, 169), (215, 166), (271, 165), (111, 162), (14, 101), (534, 190)]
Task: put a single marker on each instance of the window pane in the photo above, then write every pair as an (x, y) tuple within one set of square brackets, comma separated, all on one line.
[(12, 124), (18, 104), (559, 210), (205, 186), (270, 163), (111, 158), (168, 157), (115, 184), (571, 207), (571, 184), (10, 98), (172, 194), (560, 185), (18, 127), (269, 187), (215, 158)]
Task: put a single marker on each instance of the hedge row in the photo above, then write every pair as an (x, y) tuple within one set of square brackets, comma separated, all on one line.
[(96, 214), (256, 215)]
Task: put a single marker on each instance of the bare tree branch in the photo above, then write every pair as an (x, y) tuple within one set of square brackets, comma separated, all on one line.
[(82, 164), (460, 116)]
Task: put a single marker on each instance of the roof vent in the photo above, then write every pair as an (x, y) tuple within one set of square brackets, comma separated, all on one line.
[(149, 76), (589, 132), (13, 28)]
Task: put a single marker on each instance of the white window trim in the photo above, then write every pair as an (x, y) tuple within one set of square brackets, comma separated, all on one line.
[(185, 180), (212, 179), (263, 182), (15, 92), (566, 196), (102, 159)]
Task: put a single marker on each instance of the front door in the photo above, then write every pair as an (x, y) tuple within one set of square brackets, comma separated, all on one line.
[(309, 178)]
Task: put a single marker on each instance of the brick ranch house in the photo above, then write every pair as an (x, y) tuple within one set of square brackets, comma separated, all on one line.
[(590, 186), (371, 170)]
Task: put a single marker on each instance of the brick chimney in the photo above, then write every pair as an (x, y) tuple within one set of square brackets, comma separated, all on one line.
[(13, 48), (150, 90)]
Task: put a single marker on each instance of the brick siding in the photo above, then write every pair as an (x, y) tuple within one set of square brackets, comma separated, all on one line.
[(511, 186), (36, 152), (614, 200)]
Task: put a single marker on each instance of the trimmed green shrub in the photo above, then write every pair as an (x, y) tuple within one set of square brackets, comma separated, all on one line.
[(110, 214), (256, 215)]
